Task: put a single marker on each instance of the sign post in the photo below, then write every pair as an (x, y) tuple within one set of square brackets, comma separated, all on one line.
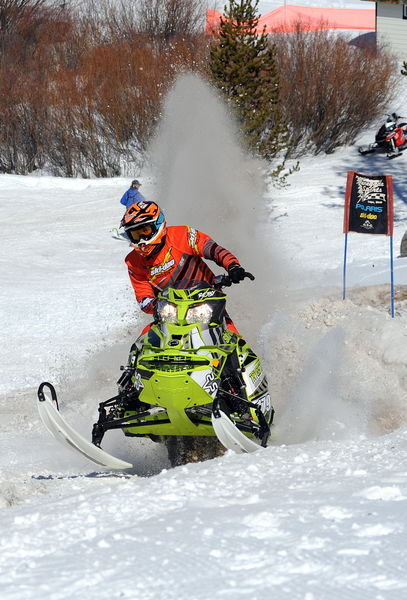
[(369, 209)]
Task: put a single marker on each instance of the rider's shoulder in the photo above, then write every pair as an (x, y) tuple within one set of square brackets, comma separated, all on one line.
[(177, 231), (182, 229), (183, 233), (177, 228)]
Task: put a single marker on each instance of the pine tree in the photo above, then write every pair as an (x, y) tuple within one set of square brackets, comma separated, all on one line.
[(243, 66)]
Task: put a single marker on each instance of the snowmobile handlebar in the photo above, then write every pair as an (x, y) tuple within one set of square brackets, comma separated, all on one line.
[(394, 117), (221, 281)]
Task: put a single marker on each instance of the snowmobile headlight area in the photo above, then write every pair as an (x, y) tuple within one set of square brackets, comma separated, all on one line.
[(171, 313), (202, 313), (167, 312)]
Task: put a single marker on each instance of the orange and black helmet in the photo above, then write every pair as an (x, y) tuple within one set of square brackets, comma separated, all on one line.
[(145, 227)]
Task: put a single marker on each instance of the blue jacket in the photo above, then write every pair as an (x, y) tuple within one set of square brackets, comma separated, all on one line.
[(130, 197)]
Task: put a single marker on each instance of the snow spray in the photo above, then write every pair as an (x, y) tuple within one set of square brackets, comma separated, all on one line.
[(316, 409), (205, 179)]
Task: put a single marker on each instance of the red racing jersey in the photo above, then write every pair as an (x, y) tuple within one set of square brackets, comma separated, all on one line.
[(179, 263)]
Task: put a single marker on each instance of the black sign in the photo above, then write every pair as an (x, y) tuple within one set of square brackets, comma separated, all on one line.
[(369, 204)]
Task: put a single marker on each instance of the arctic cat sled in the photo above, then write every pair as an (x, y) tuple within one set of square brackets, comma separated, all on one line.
[(391, 138), (188, 377)]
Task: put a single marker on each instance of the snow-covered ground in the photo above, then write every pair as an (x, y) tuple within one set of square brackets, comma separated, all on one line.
[(320, 513)]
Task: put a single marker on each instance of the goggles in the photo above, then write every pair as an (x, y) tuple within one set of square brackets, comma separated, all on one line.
[(142, 232)]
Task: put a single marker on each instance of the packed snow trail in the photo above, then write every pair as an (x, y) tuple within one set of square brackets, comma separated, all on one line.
[(324, 519)]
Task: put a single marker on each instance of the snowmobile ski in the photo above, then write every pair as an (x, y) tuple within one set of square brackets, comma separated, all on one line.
[(394, 154), (62, 431), (230, 436), (368, 148)]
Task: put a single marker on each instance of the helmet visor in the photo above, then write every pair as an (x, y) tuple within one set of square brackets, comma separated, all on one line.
[(142, 232)]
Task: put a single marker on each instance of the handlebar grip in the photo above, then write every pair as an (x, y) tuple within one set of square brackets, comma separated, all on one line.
[(225, 280), (222, 281)]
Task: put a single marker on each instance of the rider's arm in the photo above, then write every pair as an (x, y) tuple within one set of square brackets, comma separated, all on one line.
[(144, 291), (205, 246)]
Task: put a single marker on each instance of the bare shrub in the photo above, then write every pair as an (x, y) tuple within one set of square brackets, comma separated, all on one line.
[(157, 20), (330, 89), (81, 94), (14, 12), (107, 94), (31, 30), (103, 21), (21, 136), (22, 24), (166, 20), (105, 112)]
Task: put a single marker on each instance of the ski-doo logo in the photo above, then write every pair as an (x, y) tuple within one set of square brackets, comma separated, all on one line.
[(368, 216), (162, 268)]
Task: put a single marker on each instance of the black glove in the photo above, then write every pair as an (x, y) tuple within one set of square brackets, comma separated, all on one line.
[(237, 273)]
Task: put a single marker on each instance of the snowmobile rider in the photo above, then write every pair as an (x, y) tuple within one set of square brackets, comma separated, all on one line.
[(172, 256), (164, 257), (132, 195)]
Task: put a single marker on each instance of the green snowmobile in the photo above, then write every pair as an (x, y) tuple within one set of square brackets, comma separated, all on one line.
[(188, 378)]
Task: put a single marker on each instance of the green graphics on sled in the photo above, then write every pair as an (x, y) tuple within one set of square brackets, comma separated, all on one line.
[(189, 375)]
